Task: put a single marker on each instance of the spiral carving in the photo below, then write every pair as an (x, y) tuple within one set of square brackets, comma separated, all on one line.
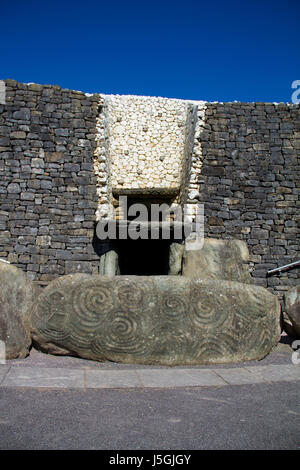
[(78, 340), (136, 296), (173, 305), (214, 348), (124, 333), (91, 304), (130, 296), (52, 319), (156, 320), (56, 335), (207, 314), (172, 342)]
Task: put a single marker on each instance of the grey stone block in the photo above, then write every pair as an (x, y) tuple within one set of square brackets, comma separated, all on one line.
[(61, 132), (43, 377), (77, 267), (13, 188), (27, 196), (23, 114)]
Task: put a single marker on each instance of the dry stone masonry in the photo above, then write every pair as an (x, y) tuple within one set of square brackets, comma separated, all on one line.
[(66, 156), (47, 185), (250, 183)]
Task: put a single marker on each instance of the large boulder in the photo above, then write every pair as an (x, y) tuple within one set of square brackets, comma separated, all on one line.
[(218, 259), (17, 294), (292, 309), (167, 320)]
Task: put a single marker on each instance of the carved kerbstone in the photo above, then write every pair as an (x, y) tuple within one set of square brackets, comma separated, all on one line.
[(17, 294), (166, 320), (218, 259)]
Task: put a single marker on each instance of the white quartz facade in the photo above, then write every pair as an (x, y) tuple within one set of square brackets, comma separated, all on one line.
[(146, 141), (147, 144)]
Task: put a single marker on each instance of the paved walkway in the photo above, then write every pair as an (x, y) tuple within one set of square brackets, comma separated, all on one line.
[(47, 377), (62, 402), (40, 370)]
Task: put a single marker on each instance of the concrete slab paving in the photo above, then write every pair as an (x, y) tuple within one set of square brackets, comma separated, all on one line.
[(275, 373), (3, 372), (179, 378), (112, 379), (41, 370), (38, 377), (43, 377), (239, 376)]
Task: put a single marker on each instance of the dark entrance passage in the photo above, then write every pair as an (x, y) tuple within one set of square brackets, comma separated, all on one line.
[(143, 257)]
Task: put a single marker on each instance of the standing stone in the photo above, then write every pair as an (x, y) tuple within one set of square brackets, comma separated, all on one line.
[(292, 308), (175, 259), (218, 259), (111, 263), (17, 294)]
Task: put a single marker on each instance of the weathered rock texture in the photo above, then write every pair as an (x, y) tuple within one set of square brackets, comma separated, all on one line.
[(244, 167), (156, 320), (17, 294), (292, 309), (218, 259)]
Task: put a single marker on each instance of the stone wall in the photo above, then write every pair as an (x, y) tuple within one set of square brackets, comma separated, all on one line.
[(47, 187), (240, 159), (250, 182)]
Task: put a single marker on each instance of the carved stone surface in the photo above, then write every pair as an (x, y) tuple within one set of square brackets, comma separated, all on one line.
[(166, 320), (175, 258), (218, 259), (292, 308), (17, 294)]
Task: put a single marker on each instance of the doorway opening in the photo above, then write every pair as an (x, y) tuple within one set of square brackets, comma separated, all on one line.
[(144, 239), (143, 257)]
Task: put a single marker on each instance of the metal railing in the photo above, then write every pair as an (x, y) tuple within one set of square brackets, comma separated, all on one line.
[(284, 268)]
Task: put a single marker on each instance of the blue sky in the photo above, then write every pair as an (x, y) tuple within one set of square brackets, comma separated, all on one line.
[(202, 50)]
